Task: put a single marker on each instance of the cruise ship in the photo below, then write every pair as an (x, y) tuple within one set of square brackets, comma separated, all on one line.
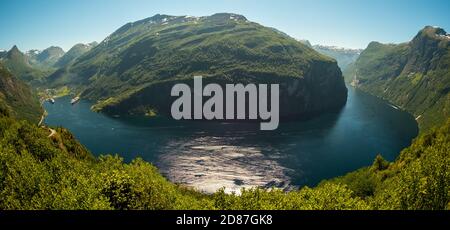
[(74, 100)]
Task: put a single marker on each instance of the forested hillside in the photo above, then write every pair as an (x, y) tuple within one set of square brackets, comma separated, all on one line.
[(17, 98), (133, 69), (38, 171), (414, 76)]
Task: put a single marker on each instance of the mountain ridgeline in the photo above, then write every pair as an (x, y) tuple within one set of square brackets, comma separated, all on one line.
[(18, 64), (75, 52), (46, 58), (344, 57), (3, 53), (133, 69), (414, 76), (34, 65)]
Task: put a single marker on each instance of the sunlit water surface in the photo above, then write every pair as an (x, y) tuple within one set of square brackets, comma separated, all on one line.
[(211, 155)]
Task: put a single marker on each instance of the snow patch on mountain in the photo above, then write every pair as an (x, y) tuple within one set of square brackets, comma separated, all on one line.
[(337, 48), (33, 52)]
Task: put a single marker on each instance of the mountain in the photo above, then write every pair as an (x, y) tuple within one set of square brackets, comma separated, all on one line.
[(17, 99), (414, 76), (74, 52), (133, 69), (19, 65), (46, 58), (3, 53), (16, 57), (305, 42), (32, 54), (343, 56)]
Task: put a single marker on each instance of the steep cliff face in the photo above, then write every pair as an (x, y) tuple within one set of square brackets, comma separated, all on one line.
[(133, 69), (413, 75), (298, 96)]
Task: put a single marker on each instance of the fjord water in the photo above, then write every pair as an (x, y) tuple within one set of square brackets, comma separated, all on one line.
[(211, 155)]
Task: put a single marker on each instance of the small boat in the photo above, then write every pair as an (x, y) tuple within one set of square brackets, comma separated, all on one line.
[(394, 107), (74, 100), (51, 100)]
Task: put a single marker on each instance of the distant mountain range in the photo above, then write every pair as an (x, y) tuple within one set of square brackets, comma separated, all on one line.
[(19, 65), (343, 56), (75, 52), (133, 69), (45, 58), (413, 75), (34, 65)]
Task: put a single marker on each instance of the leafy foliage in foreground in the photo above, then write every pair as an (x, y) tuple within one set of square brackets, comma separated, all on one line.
[(41, 172), (418, 179), (38, 172)]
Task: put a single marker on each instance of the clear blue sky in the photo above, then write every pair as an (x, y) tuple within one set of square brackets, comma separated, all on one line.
[(349, 23)]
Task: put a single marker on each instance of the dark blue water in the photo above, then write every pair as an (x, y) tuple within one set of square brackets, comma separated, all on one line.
[(210, 155)]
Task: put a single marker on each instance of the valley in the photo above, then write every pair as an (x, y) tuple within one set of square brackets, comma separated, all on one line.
[(357, 129), (210, 155), (414, 75)]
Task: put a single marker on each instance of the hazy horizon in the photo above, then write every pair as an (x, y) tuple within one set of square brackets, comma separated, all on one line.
[(66, 23)]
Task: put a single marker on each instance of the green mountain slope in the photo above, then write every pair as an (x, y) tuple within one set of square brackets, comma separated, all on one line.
[(75, 52), (19, 65), (414, 76), (133, 69), (17, 99)]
